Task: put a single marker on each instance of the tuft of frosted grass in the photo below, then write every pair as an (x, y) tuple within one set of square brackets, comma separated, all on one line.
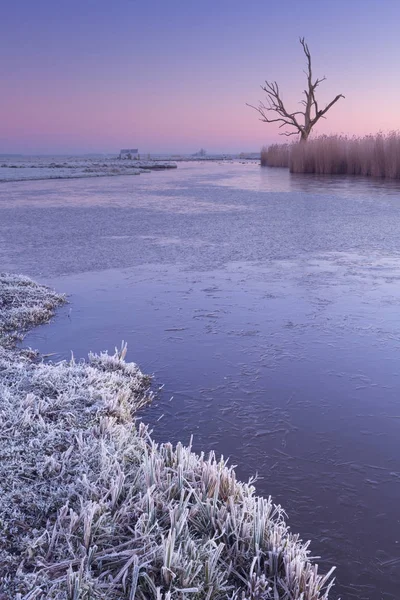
[(93, 508), (372, 155), (24, 304)]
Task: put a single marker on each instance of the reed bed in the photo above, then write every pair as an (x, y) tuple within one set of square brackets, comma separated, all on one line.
[(276, 155), (372, 155), (93, 508)]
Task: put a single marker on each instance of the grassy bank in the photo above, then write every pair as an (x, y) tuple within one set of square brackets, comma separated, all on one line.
[(93, 508), (372, 155)]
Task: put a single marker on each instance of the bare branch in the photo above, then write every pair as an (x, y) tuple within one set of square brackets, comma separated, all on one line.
[(287, 133), (261, 109), (320, 114)]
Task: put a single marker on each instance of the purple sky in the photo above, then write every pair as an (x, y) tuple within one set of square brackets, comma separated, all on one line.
[(96, 75)]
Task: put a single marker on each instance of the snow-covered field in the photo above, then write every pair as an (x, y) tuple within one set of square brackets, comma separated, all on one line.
[(22, 168)]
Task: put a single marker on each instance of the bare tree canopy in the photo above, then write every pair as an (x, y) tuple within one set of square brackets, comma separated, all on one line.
[(311, 114)]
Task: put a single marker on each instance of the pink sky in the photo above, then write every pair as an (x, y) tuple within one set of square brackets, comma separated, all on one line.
[(176, 79)]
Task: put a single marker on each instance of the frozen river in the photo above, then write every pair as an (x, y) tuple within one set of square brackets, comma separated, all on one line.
[(269, 307)]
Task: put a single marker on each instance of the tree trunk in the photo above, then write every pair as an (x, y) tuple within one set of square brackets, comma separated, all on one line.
[(304, 136)]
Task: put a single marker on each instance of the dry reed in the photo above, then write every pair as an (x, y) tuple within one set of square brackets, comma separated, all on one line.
[(372, 155), (276, 155), (93, 508)]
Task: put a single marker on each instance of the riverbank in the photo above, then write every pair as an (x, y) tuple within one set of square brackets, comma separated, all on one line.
[(92, 507), (38, 168)]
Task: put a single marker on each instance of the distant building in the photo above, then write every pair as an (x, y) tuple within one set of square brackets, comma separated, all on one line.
[(132, 153)]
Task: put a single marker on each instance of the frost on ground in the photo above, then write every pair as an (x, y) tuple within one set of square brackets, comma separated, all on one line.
[(44, 168), (91, 507)]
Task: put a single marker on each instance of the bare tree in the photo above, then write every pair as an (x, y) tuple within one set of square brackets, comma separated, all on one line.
[(311, 114)]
